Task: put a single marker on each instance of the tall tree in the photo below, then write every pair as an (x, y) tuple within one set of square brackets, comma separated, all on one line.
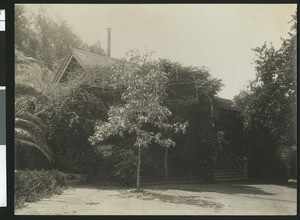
[(21, 25), (270, 101), (96, 48), (48, 40)]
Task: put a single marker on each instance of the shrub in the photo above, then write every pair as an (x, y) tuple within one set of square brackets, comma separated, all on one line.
[(124, 163), (69, 128), (31, 186)]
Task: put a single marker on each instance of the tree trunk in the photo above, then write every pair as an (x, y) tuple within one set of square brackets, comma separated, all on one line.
[(138, 177), (166, 163), (295, 170)]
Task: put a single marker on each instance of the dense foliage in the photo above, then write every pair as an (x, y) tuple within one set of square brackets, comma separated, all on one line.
[(141, 113), (70, 124), (29, 129), (185, 95), (269, 108), (190, 93), (31, 186), (66, 109), (124, 162), (175, 92), (72, 108), (45, 39)]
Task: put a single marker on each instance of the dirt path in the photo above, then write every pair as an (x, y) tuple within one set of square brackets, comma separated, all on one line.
[(184, 199)]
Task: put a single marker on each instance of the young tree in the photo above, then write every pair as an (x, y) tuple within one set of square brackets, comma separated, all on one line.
[(142, 113)]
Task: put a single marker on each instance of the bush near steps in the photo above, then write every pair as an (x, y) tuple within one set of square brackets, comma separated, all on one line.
[(32, 185)]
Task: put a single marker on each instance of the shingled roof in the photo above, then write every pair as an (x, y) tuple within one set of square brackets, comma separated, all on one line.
[(85, 60)]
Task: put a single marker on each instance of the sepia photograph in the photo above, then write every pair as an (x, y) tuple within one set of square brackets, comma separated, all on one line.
[(155, 109)]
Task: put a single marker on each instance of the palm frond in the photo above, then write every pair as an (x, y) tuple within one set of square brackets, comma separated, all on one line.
[(23, 136), (29, 129), (48, 154), (30, 117), (29, 125), (29, 135), (21, 90)]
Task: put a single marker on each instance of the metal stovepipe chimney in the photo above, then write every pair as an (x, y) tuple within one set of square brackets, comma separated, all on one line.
[(108, 41)]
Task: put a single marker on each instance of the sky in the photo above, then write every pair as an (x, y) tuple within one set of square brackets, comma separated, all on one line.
[(217, 36)]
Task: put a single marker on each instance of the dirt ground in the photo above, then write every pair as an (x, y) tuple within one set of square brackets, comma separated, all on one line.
[(172, 199)]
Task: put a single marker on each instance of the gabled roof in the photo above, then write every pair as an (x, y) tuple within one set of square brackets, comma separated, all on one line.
[(85, 60), (88, 59)]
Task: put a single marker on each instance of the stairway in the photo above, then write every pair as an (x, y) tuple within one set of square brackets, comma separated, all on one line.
[(224, 173)]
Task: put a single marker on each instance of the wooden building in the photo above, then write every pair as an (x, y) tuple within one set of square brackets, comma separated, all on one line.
[(79, 60)]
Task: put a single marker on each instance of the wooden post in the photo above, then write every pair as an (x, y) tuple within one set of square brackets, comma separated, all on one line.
[(166, 163), (295, 170), (245, 166), (138, 178)]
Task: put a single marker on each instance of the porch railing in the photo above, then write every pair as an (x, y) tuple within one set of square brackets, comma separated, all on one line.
[(235, 162)]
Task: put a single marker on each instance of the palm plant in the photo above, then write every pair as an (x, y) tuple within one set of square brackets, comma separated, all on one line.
[(29, 129)]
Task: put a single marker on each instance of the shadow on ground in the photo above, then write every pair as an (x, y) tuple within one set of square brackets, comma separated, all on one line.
[(116, 187), (228, 188), (187, 200), (224, 188)]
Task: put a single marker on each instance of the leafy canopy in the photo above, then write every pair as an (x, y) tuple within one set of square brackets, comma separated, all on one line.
[(269, 103), (142, 112)]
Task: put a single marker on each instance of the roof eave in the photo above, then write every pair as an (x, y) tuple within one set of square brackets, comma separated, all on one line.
[(60, 71)]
